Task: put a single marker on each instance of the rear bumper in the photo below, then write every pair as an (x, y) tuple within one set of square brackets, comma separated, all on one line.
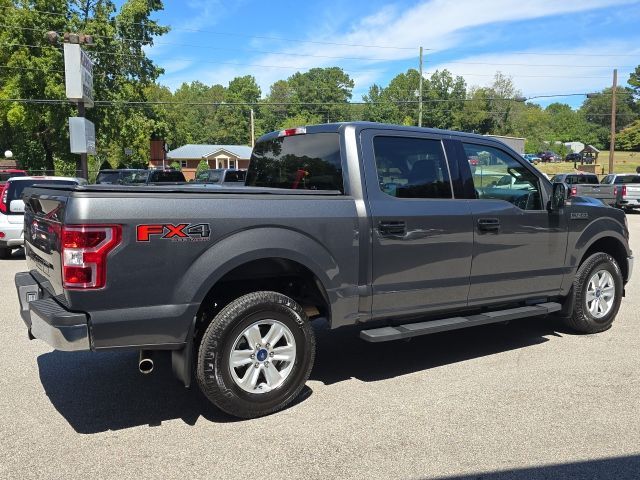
[(633, 203), (12, 235), (49, 321)]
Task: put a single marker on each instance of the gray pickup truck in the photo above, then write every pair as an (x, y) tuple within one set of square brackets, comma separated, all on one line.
[(380, 226), (626, 188), (580, 184)]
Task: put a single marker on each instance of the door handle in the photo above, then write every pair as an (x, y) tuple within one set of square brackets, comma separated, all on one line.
[(392, 228), (489, 225)]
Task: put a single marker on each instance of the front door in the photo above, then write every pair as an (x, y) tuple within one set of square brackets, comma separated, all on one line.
[(422, 236), (519, 248)]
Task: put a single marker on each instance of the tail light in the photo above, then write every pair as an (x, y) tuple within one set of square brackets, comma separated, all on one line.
[(615, 190), (84, 254), (4, 193), (624, 191), (573, 192), (289, 132)]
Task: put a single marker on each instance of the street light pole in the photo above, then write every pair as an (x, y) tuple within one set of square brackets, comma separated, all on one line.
[(612, 147), (420, 93)]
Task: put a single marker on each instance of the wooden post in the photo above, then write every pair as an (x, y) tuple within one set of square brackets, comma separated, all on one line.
[(612, 147)]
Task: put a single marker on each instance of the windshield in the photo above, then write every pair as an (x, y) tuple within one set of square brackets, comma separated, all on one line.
[(122, 177), (301, 162), (232, 176), (4, 176), (628, 179), (166, 176), (582, 179), (16, 187)]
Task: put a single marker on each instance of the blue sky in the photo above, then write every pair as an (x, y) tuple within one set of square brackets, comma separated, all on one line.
[(548, 47)]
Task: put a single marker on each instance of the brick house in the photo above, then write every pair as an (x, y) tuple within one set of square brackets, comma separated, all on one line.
[(217, 156)]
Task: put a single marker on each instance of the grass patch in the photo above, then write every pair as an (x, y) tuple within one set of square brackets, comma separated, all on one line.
[(624, 162)]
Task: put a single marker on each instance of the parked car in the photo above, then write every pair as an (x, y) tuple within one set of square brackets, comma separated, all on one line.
[(549, 156), (583, 184), (128, 176), (532, 158), (12, 208), (573, 157), (122, 176), (626, 188), (384, 227), (222, 176), (10, 173)]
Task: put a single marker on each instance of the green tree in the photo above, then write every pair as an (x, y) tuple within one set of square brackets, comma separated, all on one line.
[(629, 138), (39, 132)]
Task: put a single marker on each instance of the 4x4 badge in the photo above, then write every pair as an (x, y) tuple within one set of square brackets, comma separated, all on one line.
[(182, 232)]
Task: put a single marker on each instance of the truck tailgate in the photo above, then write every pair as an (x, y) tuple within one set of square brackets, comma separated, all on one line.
[(43, 219), (601, 192)]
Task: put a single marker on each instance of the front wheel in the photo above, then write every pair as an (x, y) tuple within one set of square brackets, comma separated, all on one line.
[(256, 355), (598, 285)]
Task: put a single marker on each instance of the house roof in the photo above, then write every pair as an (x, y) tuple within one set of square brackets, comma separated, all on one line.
[(591, 148), (191, 151)]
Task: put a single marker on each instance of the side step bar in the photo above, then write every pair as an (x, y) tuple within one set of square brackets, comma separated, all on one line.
[(399, 332)]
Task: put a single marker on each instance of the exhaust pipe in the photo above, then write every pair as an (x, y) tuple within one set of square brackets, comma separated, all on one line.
[(145, 363)]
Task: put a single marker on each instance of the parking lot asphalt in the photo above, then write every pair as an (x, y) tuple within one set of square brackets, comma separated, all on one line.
[(524, 400)]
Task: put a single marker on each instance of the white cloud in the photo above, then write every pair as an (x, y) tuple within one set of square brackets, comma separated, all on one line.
[(439, 25)]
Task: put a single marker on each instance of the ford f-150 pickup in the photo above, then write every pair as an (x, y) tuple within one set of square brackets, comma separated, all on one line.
[(380, 226)]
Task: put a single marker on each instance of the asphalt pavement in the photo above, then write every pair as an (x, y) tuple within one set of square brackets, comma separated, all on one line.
[(525, 400)]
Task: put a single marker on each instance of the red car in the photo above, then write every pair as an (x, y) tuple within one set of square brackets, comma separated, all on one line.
[(11, 172)]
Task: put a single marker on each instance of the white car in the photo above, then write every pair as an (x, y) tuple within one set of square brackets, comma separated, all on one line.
[(12, 208)]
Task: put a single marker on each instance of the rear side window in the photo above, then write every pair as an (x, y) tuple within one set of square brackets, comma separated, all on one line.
[(300, 162), (411, 167)]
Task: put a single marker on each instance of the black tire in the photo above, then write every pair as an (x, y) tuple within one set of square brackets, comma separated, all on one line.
[(5, 252), (213, 367), (582, 320)]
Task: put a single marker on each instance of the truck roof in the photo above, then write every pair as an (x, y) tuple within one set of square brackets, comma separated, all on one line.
[(336, 127)]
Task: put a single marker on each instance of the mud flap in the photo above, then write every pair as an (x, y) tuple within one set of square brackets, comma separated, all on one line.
[(182, 360)]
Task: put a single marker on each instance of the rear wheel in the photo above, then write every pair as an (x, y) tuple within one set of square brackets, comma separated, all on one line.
[(598, 285), (256, 355)]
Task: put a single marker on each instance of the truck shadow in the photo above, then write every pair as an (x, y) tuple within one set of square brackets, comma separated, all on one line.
[(97, 392), (341, 354)]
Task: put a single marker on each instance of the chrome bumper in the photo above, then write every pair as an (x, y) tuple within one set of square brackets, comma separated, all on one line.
[(49, 321)]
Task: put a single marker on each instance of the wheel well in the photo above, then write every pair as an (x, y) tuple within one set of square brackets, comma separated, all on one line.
[(274, 274), (614, 248)]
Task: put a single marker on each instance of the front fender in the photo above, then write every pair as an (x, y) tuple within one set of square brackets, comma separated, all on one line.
[(603, 227)]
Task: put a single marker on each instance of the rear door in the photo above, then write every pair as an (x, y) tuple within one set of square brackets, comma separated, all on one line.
[(519, 248), (422, 235)]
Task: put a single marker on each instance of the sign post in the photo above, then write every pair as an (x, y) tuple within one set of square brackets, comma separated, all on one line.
[(78, 77)]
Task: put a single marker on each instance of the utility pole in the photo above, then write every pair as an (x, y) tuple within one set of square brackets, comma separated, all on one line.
[(612, 147), (420, 93), (253, 130), (84, 164)]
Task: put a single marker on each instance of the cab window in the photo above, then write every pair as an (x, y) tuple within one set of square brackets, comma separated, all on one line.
[(412, 167), (499, 176)]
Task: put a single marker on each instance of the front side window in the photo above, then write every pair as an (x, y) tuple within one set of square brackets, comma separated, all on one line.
[(411, 167), (501, 177), (300, 162)]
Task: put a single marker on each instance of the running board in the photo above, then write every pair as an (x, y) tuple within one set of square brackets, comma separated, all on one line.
[(385, 334)]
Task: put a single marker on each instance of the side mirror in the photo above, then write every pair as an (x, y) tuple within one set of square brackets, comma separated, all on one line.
[(558, 197)]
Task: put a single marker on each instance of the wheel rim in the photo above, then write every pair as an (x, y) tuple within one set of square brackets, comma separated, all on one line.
[(601, 294), (263, 356)]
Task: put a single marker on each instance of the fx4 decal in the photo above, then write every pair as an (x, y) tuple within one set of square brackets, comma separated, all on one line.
[(183, 232)]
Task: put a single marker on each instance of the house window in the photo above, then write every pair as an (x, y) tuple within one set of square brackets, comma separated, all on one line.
[(183, 163), (232, 164)]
